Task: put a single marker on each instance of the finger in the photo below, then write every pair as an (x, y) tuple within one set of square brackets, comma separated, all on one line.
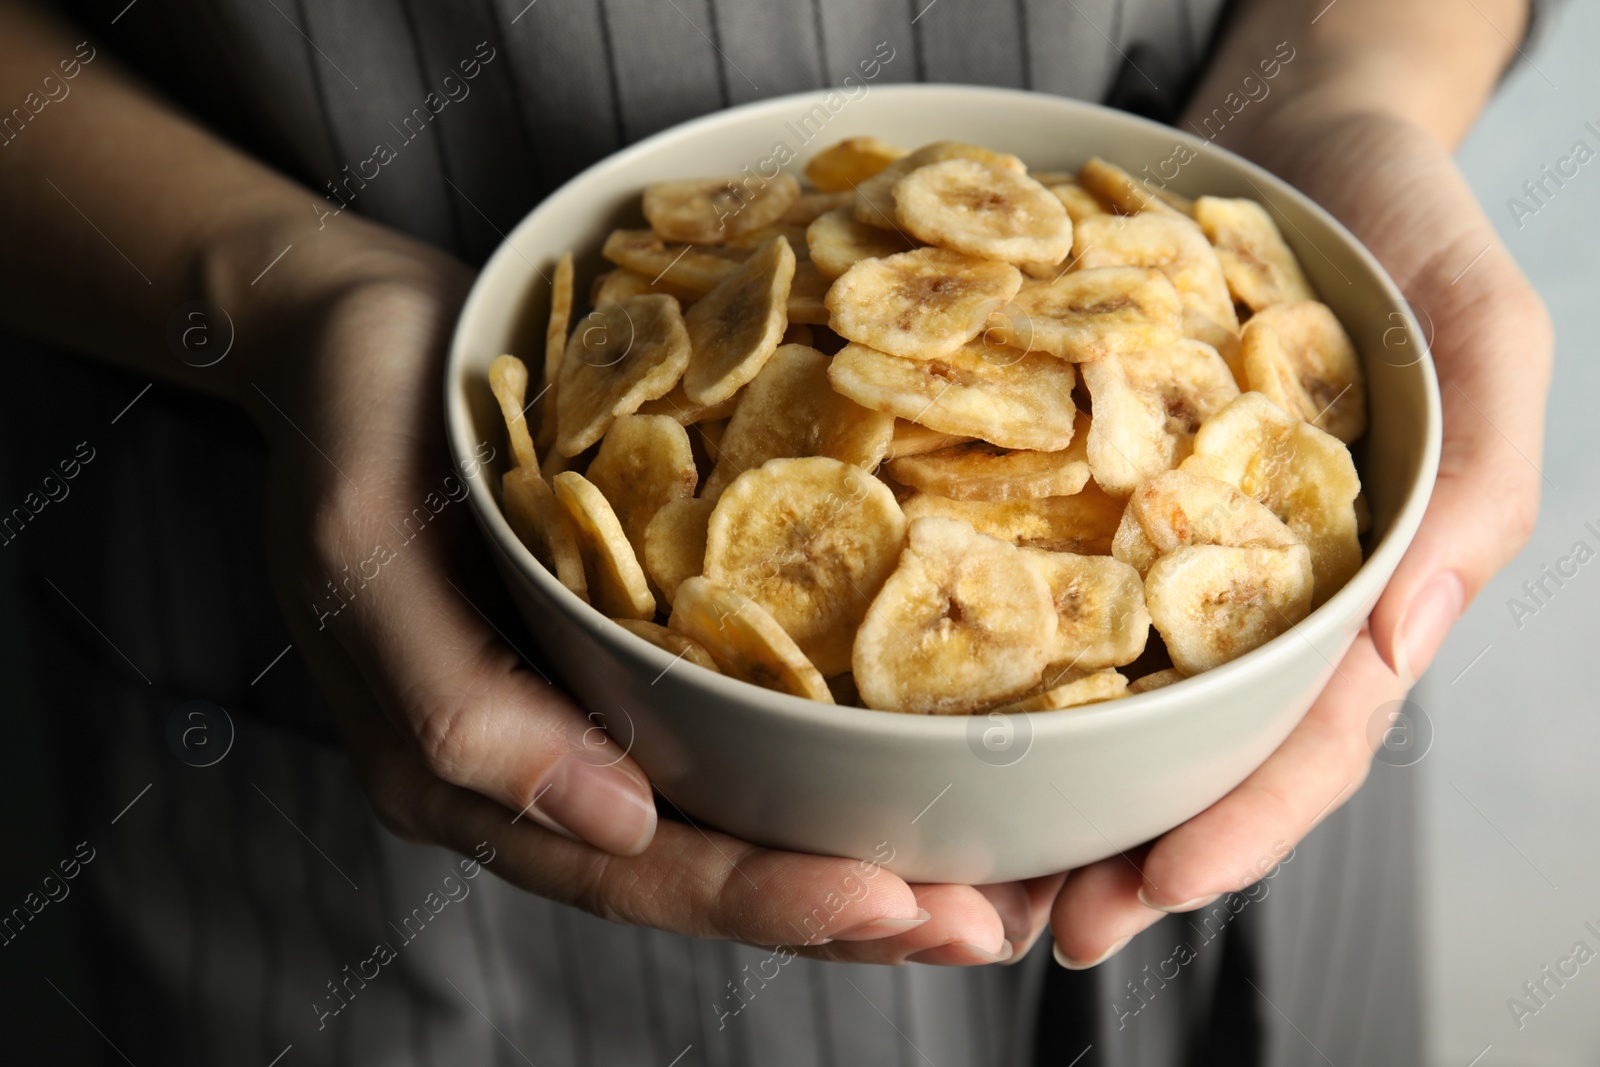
[(445, 676), (1024, 909), (1492, 349), (1241, 837), (1098, 911)]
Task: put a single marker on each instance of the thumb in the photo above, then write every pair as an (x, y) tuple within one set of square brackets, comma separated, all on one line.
[(1493, 352)]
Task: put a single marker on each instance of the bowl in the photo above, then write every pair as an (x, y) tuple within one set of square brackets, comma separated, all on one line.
[(968, 799)]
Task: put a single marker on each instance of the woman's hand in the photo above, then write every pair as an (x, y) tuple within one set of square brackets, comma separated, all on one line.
[(455, 739), (1397, 188)]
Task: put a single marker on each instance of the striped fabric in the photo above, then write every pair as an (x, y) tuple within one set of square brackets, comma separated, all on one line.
[(228, 902)]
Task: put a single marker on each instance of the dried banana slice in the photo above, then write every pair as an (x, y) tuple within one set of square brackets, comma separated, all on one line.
[(1117, 187), (750, 243), (811, 541), (963, 622), (1225, 340), (708, 211), (1260, 269), (508, 380), (1079, 202), (675, 543), (1101, 619), (920, 304), (1147, 407), (686, 649), (977, 470), (1084, 522), (619, 283), (688, 413), (838, 242), (811, 206), (789, 410), (1007, 398), (806, 295), (1077, 689), (542, 525), (1181, 508), (617, 584), (1212, 603), (644, 461), (669, 268), (735, 328), (875, 197), (1158, 680), (744, 640), (1299, 357), (555, 347), (1168, 242), (843, 166), (1090, 314), (1304, 476), (983, 210), (619, 356), (914, 439)]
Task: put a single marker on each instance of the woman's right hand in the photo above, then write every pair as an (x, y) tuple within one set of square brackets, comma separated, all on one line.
[(454, 738)]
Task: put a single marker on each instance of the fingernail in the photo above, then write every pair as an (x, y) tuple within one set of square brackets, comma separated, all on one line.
[(1189, 905), (1076, 965), (1427, 619), (600, 805), (885, 927), (961, 954)]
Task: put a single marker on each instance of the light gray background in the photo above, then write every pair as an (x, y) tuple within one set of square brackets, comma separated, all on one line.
[(1511, 785), (1508, 884)]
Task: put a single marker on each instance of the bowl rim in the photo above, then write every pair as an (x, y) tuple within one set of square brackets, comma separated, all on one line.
[(1139, 707)]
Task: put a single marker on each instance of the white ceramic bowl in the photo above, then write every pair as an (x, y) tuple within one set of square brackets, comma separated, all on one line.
[(947, 799)]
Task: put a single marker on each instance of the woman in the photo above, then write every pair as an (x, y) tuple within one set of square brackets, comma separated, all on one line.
[(238, 904)]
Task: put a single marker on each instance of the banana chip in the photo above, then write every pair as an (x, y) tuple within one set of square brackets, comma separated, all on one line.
[(1007, 398), (1087, 315), (811, 541), (744, 640), (838, 242), (1299, 357), (555, 347), (508, 380), (670, 641), (1084, 522), (983, 210), (1181, 508), (914, 439), (1101, 619), (542, 525), (1212, 603), (920, 304), (806, 295), (842, 167), (1121, 190), (644, 461), (1168, 242), (1304, 476), (668, 268), (616, 582), (812, 206), (963, 622), (1259, 268), (1078, 688), (1079, 202), (1200, 327), (1158, 680), (1147, 407), (675, 543), (735, 328), (789, 410), (619, 283), (707, 211), (875, 197), (977, 470), (619, 356)]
